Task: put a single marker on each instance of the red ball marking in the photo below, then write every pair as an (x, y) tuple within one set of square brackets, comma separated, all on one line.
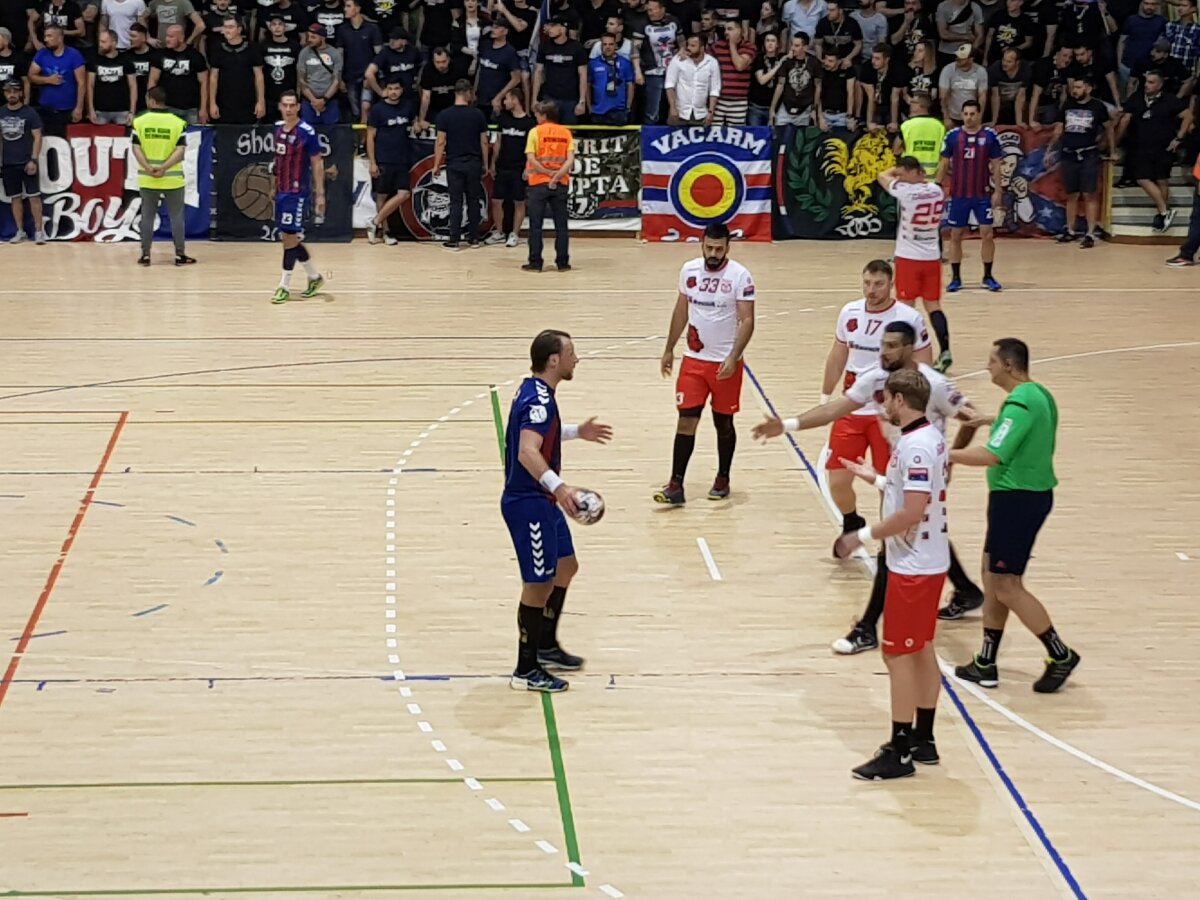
[(707, 191)]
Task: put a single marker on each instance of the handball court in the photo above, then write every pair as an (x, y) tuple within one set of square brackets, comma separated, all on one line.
[(258, 601)]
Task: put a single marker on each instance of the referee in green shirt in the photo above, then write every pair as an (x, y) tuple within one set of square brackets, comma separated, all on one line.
[(1019, 455)]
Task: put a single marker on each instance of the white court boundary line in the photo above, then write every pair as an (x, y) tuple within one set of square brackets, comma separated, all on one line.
[(558, 292), (974, 691), (713, 571)]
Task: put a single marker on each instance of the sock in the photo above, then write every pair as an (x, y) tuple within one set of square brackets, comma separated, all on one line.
[(870, 617), (726, 442), (852, 521), (305, 260), (941, 329), (1054, 645), (550, 616), (959, 578), (900, 737), (956, 271), (529, 623), (684, 445), (987, 270), (289, 263), (991, 646), (923, 730)]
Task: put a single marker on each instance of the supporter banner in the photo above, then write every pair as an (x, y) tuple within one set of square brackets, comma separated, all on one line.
[(1034, 201), (825, 185), (606, 178), (246, 188), (89, 187), (702, 174)]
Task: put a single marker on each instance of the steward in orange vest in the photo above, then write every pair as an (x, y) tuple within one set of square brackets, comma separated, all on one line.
[(549, 156)]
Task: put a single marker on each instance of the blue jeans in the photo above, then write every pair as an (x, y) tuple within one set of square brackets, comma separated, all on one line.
[(566, 111), (312, 117), (612, 117), (654, 95), (759, 115)]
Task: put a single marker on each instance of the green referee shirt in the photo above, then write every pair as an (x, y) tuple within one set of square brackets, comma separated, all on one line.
[(1023, 440)]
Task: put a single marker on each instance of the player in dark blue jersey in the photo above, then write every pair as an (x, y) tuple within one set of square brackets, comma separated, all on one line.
[(299, 172), (969, 173), (535, 505)]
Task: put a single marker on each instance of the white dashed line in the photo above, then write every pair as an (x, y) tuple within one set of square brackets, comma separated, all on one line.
[(713, 571), (518, 825)]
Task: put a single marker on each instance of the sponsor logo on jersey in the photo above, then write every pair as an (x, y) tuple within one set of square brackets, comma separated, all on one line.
[(852, 325), (537, 414), (691, 282)]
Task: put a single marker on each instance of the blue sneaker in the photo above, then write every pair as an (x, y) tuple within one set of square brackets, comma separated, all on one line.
[(537, 680), (954, 286), (992, 284)]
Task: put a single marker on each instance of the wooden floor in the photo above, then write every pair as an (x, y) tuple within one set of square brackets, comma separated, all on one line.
[(269, 651)]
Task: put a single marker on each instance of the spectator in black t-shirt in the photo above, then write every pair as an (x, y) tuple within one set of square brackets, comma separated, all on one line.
[(399, 59), (910, 29), (1009, 82), (141, 58), (561, 73), (1154, 116), (879, 104), (1009, 27), (1081, 128), (499, 70), (295, 21), (687, 13), (571, 18), (593, 16), (461, 147), (522, 22), (1085, 23), (507, 168), (1096, 68), (835, 91), (360, 42), (14, 65), (437, 87), (437, 17), (235, 79), (796, 92), (214, 21), (839, 33), (389, 14), (183, 74), (280, 54), (112, 89), (1160, 60), (1043, 16), (66, 14), (389, 154), (920, 76), (763, 79), (1050, 77), (331, 14)]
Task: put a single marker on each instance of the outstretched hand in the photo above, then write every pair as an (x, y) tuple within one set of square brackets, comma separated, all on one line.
[(859, 467), (596, 432), (772, 427)]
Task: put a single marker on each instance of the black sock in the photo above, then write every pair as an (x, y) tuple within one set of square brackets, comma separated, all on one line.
[(301, 253), (900, 736), (852, 521), (941, 329), (991, 646), (987, 270), (726, 442), (529, 623), (684, 445), (959, 578), (1054, 645), (923, 730), (870, 617), (551, 613), (956, 270), (289, 258)]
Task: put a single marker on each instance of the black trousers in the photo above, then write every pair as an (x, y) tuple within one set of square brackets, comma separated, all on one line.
[(465, 179), (537, 198)]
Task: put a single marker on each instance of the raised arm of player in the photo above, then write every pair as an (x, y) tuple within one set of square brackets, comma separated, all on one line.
[(835, 366), (887, 178), (679, 318), (813, 418), (745, 330), (530, 456)]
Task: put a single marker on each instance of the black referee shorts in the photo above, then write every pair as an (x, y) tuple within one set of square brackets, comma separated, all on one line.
[(1014, 519)]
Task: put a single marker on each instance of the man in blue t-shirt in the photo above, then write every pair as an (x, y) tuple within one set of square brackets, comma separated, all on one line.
[(389, 154), (20, 147), (59, 72), (610, 85), (535, 504), (499, 71)]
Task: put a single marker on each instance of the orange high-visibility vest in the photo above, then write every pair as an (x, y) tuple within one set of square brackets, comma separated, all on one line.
[(1196, 170), (553, 144)]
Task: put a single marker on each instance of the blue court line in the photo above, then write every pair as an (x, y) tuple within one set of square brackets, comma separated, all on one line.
[(181, 521), (221, 545), (43, 634), (1044, 838), (108, 503), (216, 576), (146, 612)]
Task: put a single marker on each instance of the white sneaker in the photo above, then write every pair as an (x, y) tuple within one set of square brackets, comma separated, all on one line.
[(372, 231), (19, 238), (512, 240), (39, 237), (1168, 218), (493, 238), (390, 241)]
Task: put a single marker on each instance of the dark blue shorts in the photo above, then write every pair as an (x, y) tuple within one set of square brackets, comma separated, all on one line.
[(963, 212), (1014, 519), (289, 213), (540, 536)]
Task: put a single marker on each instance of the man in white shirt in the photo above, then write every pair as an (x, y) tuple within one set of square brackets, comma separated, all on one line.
[(118, 15), (693, 85), (803, 16)]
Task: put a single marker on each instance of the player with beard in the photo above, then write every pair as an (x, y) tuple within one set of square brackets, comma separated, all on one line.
[(716, 304)]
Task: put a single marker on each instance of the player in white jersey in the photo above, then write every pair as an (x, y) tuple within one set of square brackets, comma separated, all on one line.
[(914, 530), (856, 346), (867, 392), (918, 244), (716, 304)]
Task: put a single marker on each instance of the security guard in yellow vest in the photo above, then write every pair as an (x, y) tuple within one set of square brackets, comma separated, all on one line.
[(549, 156), (159, 146)]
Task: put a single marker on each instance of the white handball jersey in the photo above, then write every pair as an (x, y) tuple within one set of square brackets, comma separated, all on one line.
[(712, 299), (919, 220), (945, 399), (862, 333), (918, 463)]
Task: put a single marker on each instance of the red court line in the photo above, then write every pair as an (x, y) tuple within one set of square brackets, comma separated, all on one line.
[(44, 598), (12, 815)]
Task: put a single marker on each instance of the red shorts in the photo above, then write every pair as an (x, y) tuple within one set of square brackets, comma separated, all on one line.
[(918, 279), (850, 438), (697, 381), (910, 609)]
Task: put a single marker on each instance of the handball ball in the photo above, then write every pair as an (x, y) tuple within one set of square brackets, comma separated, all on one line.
[(591, 507)]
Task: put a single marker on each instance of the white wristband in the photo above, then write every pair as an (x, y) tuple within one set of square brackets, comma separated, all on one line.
[(570, 432), (792, 424), (880, 482), (864, 534), (550, 480), (824, 399)]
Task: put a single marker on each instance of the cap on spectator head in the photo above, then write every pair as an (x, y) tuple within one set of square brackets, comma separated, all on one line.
[(13, 85), (6, 34), (1163, 45), (560, 19), (964, 51), (318, 29), (399, 33)]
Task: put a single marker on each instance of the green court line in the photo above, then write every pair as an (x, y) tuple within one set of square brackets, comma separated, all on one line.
[(299, 889), (306, 783), (560, 781), (499, 422)]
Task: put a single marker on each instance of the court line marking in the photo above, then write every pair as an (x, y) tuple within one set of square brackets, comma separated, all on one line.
[(51, 579), (327, 889), (314, 782), (1014, 794), (713, 571), (847, 291)]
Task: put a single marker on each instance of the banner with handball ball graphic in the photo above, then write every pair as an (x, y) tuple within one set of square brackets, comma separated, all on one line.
[(246, 188), (695, 176)]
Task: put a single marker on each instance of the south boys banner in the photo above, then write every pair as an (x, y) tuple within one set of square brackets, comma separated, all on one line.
[(89, 187), (246, 187), (701, 174)]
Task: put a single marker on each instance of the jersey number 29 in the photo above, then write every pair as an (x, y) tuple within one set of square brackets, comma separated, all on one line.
[(928, 213)]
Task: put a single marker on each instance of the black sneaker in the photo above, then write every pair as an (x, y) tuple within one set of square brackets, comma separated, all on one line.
[(530, 267), (144, 260), (960, 604), (564, 268), (1066, 237), (1087, 243), (886, 765), (183, 259), (670, 494), (859, 640), (925, 753), (1056, 673), (1158, 224), (558, 658), (984, 676), (537, 680), (856, 523), (452, 246)]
